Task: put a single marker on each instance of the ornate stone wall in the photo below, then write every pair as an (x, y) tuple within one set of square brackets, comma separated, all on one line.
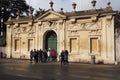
[(81, 37)]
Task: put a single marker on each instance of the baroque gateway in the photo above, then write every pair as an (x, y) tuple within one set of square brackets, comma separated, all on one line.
[(82, 33)]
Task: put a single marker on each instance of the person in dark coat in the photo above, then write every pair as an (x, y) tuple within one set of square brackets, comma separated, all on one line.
[(45, 56), (31, 55), (66, 56), (35, 56), (40, 54), (62, 57)]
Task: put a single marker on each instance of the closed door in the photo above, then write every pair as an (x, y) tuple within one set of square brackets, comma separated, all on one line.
[(51, 41)]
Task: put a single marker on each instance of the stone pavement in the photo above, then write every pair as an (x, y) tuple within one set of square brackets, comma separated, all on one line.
[(13, 69)]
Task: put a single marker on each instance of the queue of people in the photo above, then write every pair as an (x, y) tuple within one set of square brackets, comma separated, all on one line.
[(42, 56)]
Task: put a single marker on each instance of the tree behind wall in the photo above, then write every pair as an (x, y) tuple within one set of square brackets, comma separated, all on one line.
[(9, 8)]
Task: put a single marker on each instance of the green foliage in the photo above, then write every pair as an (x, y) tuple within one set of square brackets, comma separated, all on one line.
[(2, 41), (9, 8), (40, 12)]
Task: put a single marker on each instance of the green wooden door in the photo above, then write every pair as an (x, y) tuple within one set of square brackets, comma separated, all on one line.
[(51, 41)]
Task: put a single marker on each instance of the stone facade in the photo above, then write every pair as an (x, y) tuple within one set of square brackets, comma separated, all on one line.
[(82, 33)]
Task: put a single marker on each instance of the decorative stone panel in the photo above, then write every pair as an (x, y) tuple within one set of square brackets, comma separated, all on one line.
[(85, 26)]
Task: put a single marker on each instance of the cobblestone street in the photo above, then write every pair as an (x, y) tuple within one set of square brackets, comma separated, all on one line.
[(12, 69)]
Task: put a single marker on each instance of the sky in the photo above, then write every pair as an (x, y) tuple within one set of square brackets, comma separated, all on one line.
[(67, 4)]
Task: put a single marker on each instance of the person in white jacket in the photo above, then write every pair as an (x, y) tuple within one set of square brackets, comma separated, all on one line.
[(48, 53)]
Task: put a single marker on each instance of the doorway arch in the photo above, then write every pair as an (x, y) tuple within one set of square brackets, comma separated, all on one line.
[(50, 40)]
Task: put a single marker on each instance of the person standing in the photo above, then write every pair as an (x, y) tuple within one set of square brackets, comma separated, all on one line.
[(53, 55), (35, 56), (62, 57), (45, 56), (31, 55), (66, 56), (40, 54), (48, 53)]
